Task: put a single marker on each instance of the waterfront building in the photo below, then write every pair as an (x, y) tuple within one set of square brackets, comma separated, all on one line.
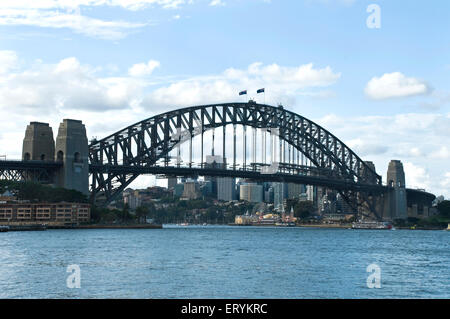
[(7, 196), (245, 219), (62, 213)]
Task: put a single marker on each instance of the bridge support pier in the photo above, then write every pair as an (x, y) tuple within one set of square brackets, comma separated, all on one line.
[(395, 200), (390, 205), (72, 149)]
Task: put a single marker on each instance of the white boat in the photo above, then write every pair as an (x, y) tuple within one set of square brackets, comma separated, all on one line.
[(285, 224), (371, 225), (448, 227)]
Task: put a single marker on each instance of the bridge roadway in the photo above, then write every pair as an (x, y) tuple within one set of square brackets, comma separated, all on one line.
[(256, 175), (19, 167), (338, 184), (23, 165)]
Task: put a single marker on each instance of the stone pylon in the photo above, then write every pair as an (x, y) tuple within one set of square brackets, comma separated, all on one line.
[(395, 203), (72, 149), (38, 144)]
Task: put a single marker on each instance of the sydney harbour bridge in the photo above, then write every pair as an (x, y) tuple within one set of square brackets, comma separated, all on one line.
[(243, 140)]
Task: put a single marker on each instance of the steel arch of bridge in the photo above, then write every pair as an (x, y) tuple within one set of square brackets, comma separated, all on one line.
[(120, 158)]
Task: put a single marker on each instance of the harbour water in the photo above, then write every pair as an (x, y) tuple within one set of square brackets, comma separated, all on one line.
[(225, 262)]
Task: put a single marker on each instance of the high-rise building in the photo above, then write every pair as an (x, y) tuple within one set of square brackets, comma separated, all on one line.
[(279, 195), (191, 190), (206, 188), (251, 192), (178, 190), (294, 190), (214, 162), (268, 195), (171, 182), (226, 188), (311, 193)]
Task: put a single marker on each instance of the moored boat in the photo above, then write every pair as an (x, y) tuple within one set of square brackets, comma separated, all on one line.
[(4, 229), (371, 225), (285, 224)]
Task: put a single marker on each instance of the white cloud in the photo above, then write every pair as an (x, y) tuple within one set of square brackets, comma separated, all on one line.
[(65, 85), (416, 176), (395, 85), (143, 69), (281, 83), (70, 84), (217, 3), (67, 14), (8, 61), (442, 153), (365, 148), (413, 138), (446, 181), (78, 23), (344, 2), (74, 4)]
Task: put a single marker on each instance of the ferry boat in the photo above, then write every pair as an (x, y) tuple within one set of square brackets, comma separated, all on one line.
[(371, 225)]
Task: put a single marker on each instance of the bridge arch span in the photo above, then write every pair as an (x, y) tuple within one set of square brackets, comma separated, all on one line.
[(117, 160)]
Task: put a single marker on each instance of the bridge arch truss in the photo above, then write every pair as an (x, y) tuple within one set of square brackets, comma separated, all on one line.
[(145, 148)]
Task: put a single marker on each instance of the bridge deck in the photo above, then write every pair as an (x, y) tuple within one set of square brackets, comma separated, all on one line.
[(20, 165), (337, 184)]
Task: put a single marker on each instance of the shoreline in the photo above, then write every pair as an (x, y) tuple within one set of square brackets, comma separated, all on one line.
[(99, 226), (36, 227)]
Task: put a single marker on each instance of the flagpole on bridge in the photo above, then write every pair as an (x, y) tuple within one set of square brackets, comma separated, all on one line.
[(263, 90), (243, 93)]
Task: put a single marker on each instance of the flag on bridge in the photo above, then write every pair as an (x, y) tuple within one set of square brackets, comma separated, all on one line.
[(243, 92), (260, 91)]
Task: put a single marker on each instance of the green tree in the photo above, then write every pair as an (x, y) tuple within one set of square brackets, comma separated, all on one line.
[(303, 209), (444, 208), (142, 213)]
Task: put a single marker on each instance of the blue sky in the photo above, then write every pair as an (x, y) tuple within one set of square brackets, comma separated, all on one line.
[(384, 91)]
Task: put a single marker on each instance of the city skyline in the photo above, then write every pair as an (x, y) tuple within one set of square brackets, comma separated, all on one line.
[(128, 61)]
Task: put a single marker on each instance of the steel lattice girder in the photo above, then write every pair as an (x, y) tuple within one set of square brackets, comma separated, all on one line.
[(144, 143)]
